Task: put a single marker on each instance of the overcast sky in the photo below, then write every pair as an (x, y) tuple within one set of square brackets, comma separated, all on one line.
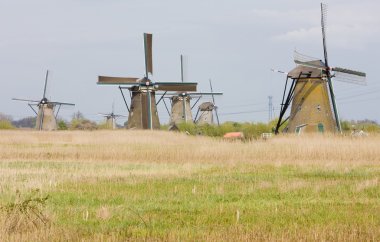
[(235, 43)]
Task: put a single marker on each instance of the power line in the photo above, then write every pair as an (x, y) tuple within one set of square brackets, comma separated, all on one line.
[(360, 94), (246, 112), (244, 105), (362, 100)]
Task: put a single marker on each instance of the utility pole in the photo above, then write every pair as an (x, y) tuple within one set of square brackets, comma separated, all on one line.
[(270, 108)]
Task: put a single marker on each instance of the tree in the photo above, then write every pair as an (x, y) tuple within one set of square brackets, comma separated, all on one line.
[(4, 116), (28, 122), (80, 122), (78, 115)]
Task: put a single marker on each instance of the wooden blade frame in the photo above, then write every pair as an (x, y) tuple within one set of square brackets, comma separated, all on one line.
[(107, 80), (176, 86), (148, 39), (46, 79), (213, 102)]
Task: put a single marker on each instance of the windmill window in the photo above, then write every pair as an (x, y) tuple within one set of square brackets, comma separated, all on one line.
[(319, 107)]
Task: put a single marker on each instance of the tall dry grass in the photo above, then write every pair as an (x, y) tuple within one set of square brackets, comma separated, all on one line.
[(158, 171), (165, 147)]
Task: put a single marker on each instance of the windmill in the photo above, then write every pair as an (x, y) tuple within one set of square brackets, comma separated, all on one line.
[(46, 113), (206, 109), (180, 104), (310, 91), (143, 111), (181, 109), (111, 118)]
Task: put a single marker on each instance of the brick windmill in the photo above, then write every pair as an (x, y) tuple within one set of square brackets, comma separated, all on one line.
[(47, 112), (143, 111), (310, 91)]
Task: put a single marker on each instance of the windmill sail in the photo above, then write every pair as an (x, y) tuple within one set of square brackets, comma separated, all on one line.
[(117, 80), (213, 102), (349, 76), (331, 89), (148, 39), (46, 79), (308, 61)]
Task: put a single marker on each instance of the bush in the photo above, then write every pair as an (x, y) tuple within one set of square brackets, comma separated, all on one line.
[(83, 124), (368, 126), (62, 125), (250, 130), (26, 213), (80, 122), (6, 124)]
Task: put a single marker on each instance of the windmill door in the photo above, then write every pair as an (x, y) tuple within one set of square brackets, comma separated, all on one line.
[(321, 128)]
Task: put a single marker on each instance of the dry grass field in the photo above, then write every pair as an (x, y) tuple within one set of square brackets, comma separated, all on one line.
[(143, 185)]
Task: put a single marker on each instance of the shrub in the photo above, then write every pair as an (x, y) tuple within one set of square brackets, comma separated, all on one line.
[(6, 124), (250, 130), (62, 125), (25, 213)]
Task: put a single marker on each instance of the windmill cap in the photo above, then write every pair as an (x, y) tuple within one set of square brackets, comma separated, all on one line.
[(206, 106)]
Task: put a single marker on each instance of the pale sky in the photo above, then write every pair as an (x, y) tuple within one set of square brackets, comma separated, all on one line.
[(235, 43)]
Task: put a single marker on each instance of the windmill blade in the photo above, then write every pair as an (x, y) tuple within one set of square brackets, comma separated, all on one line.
[(182, 68), (25, 100), (177, 86), (213, 102), (119, 116), (105, 114), (313, 64), (348, 71), (324, 27), (46, 79), (204, 93), (148, 38), (308, 61), (149, 110), (350, 78), (42, 117), (184, 108), (279, 71), (212, 95), (61, 103), (107, 80), (327, 69), (303, 58)]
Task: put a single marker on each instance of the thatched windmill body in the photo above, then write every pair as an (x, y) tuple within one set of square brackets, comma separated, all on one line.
[(47, 112), (309, 91), (180, 104), (143, 108), (181, 108), (206, 110)]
